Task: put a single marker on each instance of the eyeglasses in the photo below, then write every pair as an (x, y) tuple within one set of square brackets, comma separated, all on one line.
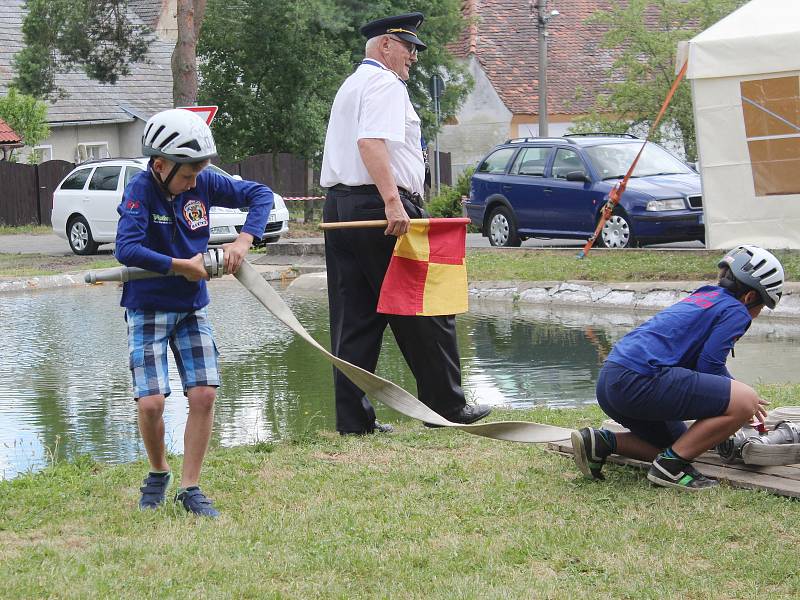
[(410, 47)]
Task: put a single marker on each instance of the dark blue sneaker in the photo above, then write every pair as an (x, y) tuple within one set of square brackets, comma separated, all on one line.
[(195, 501), (154, 490), (590, 451)]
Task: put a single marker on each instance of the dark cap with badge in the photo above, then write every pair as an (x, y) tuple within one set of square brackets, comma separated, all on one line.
[(403, 26)]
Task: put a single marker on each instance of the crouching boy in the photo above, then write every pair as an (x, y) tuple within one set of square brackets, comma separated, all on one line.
[(163, 226), (672, 368)]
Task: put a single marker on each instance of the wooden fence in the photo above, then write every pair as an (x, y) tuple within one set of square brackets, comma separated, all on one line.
[(26, 191)]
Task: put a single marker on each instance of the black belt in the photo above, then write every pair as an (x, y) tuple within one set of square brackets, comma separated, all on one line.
[(412, 197)]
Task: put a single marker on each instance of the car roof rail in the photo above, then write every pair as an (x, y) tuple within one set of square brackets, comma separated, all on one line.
[(536, 139), (602, 134), (101, 160)]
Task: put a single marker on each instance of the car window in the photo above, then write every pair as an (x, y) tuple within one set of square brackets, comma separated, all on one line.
[(77, 180), (531, 161), (612, 161), (105, 179), (565, 162), (496, 162), (129, 173)]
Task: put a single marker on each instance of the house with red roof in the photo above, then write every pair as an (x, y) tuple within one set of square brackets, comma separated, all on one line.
[(9, 140), (500, 49)]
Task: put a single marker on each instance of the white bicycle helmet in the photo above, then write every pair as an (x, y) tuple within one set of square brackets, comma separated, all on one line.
[(758, 269), (178, 135)]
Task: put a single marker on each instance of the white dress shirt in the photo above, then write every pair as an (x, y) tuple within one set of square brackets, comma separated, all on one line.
[(373, 103)]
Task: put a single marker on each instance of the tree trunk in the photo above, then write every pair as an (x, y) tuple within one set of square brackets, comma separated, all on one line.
[(184, 57)]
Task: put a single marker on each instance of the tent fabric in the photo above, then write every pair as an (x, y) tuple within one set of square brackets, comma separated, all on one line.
[(745, 77), (762, 36)]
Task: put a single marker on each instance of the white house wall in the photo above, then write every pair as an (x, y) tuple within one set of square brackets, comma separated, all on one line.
[(123, 139), (483, 122)]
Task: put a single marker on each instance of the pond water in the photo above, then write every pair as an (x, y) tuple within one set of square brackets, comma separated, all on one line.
[(66, 389)]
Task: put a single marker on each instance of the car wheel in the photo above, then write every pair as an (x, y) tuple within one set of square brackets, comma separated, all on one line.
[(502, 229), (617, 232), (80, 237)]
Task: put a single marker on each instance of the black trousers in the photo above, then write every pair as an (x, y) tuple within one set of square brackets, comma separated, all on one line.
[(357, 260)]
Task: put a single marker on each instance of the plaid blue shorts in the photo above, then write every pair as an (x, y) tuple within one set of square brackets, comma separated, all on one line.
[(192, 342)]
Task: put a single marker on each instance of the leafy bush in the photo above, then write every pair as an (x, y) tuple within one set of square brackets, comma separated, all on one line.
[(448, 202)]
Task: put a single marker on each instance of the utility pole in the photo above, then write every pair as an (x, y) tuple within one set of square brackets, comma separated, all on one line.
[(542, 18)]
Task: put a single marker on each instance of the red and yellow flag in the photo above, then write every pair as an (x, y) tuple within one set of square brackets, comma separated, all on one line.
[(427, 275)]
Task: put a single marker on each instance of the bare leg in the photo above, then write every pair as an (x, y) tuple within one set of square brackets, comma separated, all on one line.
[(634, 447), (704, 434), (151, 427), (197, 432)]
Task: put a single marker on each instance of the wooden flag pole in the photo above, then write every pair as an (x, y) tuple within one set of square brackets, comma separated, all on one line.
[(353, 224)]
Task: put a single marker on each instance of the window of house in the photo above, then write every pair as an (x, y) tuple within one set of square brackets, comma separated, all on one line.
[(497, 161), (44, 152), (92, 151), (77, 180), (105, 179)]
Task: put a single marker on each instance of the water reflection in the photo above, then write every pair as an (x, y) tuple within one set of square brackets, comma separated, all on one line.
[(66, 385)]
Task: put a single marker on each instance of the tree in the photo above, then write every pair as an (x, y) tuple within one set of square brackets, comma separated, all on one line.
[(98, 37), (274, 67), (95, 35), (184, 58), (26, 115), (646, 34)]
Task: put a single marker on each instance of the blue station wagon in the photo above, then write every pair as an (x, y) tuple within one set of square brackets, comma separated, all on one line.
[(556, 187)]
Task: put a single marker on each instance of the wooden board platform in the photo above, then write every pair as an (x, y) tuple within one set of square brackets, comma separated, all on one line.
[(782, 481)]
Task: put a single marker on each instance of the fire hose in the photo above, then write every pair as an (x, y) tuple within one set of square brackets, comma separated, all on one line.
[(780, 446), (374, 386)]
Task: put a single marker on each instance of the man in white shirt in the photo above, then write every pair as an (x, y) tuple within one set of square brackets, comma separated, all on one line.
[(373, 168)]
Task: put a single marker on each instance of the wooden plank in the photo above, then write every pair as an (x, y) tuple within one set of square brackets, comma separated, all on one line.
[(782, 481)]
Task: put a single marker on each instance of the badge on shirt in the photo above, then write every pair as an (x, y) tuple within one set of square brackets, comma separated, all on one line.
[(194, 212)]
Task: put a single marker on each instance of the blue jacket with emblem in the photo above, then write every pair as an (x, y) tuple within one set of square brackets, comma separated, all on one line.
[(696, 333), (152, 230)]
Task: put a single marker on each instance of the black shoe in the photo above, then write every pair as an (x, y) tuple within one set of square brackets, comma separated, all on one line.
[(195, 501), (469, 413), (154, 490), (590, 451), (378, 427), (675, 472)]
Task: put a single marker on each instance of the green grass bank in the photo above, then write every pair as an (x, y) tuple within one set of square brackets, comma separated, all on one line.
[(417, 514), (490, 264)]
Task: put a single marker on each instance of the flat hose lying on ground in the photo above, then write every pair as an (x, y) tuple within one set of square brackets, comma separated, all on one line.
[(387, 392)]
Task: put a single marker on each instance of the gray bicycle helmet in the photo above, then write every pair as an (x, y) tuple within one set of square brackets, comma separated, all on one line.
[(758, 269), (178, 135)]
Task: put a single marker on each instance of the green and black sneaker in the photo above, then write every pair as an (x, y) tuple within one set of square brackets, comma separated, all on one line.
[(591, 450), (673, 472)]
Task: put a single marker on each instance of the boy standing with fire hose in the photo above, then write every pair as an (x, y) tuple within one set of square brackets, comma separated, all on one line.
[(164, 226), (672, 368)]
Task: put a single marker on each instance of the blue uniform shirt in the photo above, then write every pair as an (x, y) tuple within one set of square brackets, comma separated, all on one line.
[(696, 333), (153, 230)]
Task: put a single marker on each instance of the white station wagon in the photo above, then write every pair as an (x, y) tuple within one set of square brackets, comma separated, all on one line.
[(85, 206)]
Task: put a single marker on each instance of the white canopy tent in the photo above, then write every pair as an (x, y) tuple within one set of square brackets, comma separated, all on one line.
[(745, 77)]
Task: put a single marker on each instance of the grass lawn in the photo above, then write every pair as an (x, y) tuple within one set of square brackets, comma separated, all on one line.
[(30, 265), (417, 514), (486, 264)]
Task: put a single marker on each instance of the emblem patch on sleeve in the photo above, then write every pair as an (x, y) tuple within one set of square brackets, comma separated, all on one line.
[(195, 214)]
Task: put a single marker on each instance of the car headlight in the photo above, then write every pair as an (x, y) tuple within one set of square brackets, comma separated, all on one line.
[(670, 204)]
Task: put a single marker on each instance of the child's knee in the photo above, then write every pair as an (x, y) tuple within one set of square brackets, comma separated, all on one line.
[(744, 401), (151, 406), (201, 398)]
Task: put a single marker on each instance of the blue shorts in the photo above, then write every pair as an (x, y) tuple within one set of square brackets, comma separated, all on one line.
[(191, 339), (654, 407)]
